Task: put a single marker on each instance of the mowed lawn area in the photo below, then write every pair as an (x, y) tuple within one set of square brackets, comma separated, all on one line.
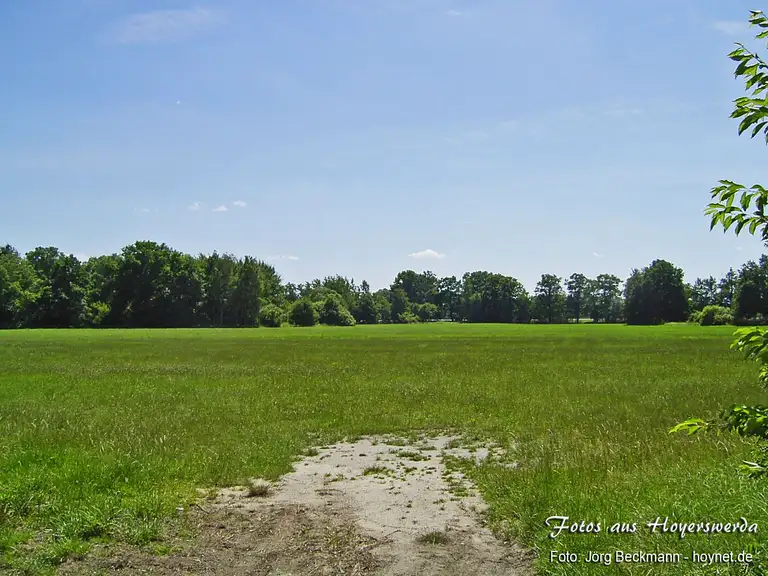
[(104, 433)]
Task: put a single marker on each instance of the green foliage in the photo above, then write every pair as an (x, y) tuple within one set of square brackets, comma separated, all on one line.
[(602, 298), (656, 294), (332, 312), (367, 311), (408, 318), (246, 297), (151, 285), (750, 421), (271, 316), (303, 313), (489, 297), (383, 306), (577, 286), (400, 305), (426, 311), (549, 299), (715, 316)]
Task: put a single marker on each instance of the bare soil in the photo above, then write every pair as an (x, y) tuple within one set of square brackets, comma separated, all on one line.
[(368, 507)]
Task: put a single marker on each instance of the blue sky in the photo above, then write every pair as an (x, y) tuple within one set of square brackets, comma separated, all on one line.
[(364, 137)]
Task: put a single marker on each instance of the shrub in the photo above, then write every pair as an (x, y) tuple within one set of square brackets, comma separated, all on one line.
[(426, 311), (303, 313), (271, 316), (695, 317), (715, 316), (408, 318), (95, 314), (332, 312)]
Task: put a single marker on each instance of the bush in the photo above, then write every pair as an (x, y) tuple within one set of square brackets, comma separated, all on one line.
[(695, 317), (408, 318), (427, 311), (271, 316), (715, 316), (303, 313), (332, 312), (95, 314)]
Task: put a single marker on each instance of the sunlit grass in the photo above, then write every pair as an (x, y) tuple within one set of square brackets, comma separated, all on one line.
[(103, 434)]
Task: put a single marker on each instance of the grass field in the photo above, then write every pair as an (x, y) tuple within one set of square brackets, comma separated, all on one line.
[(104, 433)]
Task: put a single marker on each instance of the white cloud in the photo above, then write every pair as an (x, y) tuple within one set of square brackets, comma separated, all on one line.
[(731, 27), (81, 257), (221, 208), (142, 210), (281, 257), (428, 253), (195, 206), (239, 203), (508, 124), (454, 13), (163, 26), (596, 255)]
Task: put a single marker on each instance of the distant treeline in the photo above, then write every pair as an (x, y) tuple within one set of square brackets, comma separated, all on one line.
[(151, 285)]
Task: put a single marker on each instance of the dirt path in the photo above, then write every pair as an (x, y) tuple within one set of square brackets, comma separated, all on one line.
[(370, 507)]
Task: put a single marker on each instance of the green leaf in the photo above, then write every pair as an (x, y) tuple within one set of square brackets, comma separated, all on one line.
[(757, 128), (692, 426), (743, 64), (748, 121)]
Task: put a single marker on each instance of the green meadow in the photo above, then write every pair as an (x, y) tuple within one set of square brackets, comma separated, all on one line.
[(104, 433)]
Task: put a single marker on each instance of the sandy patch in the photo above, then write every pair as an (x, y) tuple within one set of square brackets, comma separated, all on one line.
[(374, 506)]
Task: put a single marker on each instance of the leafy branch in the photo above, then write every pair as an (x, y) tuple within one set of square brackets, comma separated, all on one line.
[(749, 213)]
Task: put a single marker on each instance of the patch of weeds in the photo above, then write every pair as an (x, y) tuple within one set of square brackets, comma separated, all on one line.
[(258, 489), (52, 553), (397, 442), (433, 538), (309, 452), (409, 469), (410, 455), (160, 549), (454, 466), (211, 494), (377, 471)]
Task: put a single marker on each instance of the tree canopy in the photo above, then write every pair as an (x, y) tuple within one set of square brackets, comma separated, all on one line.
[(148, 284)]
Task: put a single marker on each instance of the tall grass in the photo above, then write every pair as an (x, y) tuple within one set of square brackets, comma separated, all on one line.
[(103, 434)]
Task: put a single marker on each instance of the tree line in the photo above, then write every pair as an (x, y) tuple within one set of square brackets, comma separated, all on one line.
[(151, 285)]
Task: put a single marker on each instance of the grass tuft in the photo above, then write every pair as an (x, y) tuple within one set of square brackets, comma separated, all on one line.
[(434, 538), (258, 489)]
